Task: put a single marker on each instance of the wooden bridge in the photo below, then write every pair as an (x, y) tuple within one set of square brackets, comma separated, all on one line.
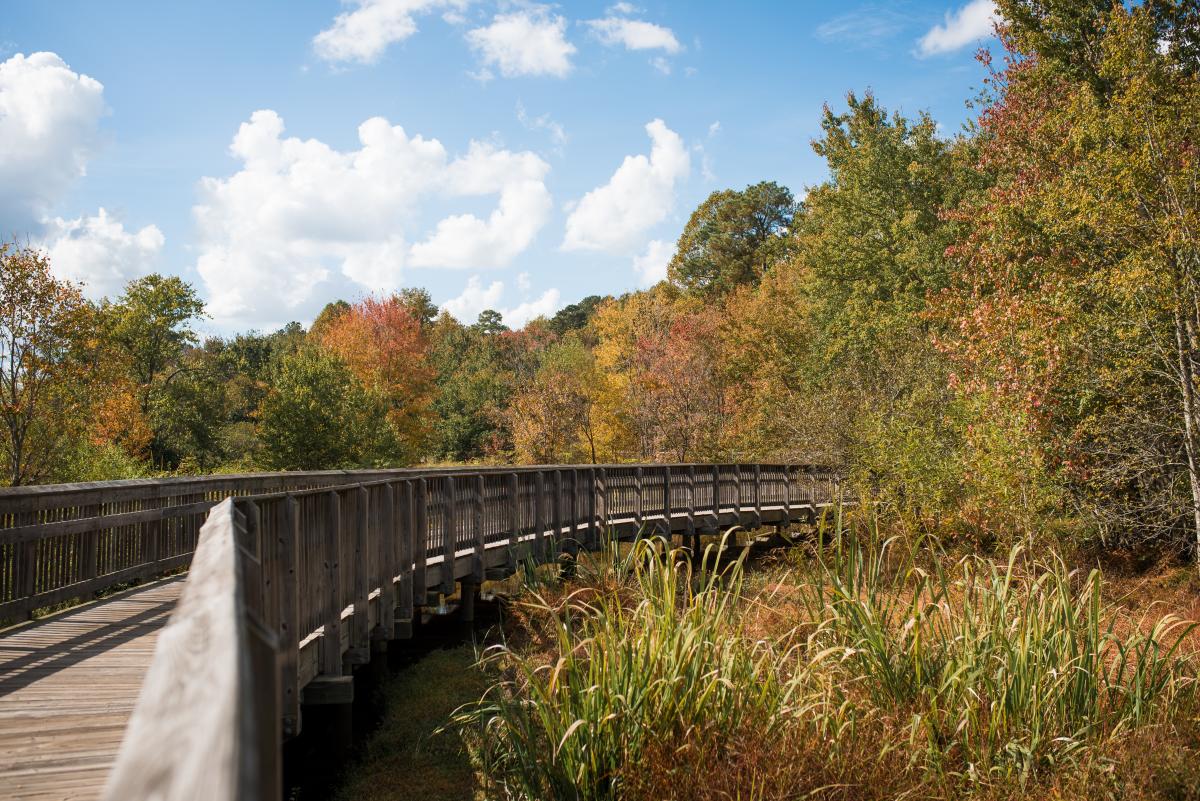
[(187, 685)]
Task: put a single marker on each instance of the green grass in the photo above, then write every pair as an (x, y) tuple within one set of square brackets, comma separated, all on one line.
[(408, 757)]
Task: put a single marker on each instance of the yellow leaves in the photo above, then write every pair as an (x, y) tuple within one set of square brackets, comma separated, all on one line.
[(117, 419)]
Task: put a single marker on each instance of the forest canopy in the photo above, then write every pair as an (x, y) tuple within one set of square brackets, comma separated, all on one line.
[(990, 330)]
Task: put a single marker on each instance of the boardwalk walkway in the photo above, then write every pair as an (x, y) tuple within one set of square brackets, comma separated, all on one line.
[(67, 687)]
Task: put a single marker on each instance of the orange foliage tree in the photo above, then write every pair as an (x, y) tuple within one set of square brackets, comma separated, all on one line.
[(382, 342)]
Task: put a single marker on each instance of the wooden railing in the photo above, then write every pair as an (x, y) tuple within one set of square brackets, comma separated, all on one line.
[(63, 542), (328, 563), (206, 724)]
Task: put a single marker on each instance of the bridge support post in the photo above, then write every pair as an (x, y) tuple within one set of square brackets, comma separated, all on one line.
[(467, 590), (449, 534)]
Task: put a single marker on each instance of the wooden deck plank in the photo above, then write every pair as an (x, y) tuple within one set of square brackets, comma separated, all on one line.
[(67, 687)]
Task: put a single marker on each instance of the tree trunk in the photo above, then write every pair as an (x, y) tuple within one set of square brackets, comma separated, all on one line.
[(1185, 331)]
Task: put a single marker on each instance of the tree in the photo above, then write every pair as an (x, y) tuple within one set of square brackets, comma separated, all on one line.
[(327, 316), (662, 395), (149, 322), (475, 378), (419, 304), (733, 238), (382, 343), (552, 416), (318, 416), (489, 323), (44, 364), (576, 316), (1074, 308)]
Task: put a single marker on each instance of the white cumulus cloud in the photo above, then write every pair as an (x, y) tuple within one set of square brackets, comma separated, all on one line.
[(638, 196), (476, 298), (651, 265), (363, 34), (527, 42), (48, 127), (544, 305), (968, 24), (300, 221), (99, 253), (634, 34)]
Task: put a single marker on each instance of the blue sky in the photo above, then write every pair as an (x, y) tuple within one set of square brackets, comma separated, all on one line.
[(509, 155)]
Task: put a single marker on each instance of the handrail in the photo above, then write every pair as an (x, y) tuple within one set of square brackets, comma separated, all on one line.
[(67, 541), (209, 698), (317, 575)]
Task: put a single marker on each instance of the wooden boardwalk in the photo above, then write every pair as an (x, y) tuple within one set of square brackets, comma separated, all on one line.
[(67, 687)]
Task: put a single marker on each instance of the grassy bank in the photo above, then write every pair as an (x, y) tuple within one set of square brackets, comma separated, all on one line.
[(865, 669), (408, 757)]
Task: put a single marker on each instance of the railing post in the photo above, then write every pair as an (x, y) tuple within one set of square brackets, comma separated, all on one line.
[(91, 547), (477, 567), (693, 537), (787, 493), (757, 495), (287, 541), (449, 533), (716, 495), (575, 506), (737, 492), (387, 562), (514, 510), (639, 514), (27, 566), (556, 511), (408, 537), (361, 625), (593, 525), (421, 544), (539, 516), (667, 507), (331, 641), (602, 498)]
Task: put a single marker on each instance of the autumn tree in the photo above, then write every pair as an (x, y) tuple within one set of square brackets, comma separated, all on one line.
[(553, 414), (476, 376), (382, 343), (149, 326), (662, 396), (1074, 305), (46, 329)]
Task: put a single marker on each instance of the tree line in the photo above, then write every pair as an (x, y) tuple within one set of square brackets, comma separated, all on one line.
[(998, 327)]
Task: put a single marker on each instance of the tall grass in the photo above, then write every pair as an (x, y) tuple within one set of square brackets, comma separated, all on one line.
[(885, 669), (642, 655), (1005, 668)]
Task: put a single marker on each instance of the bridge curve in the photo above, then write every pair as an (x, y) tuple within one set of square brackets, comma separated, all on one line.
[(296, 577)]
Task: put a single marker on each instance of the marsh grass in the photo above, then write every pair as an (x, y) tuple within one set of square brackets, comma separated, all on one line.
[(873, 668)]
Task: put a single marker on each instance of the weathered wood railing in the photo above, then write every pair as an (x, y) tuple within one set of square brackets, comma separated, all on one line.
[(208, 710), (341, 560)]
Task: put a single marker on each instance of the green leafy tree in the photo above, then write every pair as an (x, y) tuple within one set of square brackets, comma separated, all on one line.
[(150, 322), (419, 304), (733, 238), (553, 415), (576, 316), (318, 416)]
